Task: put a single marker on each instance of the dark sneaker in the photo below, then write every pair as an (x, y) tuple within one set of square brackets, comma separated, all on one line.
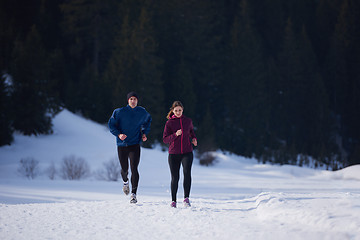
[(126, 188), (133, 198), (187, 202), (173, 204)]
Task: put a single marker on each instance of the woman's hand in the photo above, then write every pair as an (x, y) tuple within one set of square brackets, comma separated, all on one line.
[(144, 138), (194, 141), (178, 132)]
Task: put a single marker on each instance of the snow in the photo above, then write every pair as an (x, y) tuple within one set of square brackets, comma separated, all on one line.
[(8, 84), (236, 198)]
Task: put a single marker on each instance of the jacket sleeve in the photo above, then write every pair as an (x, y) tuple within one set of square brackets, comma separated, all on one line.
[(192, 133), (113, 125), (168, 135), (146, 126)]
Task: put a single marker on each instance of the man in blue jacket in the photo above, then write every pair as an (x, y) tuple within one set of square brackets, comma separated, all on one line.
[(130, 125)]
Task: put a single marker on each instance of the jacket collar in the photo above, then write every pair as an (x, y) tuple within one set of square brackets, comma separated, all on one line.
[(174, 117), (130, 108)]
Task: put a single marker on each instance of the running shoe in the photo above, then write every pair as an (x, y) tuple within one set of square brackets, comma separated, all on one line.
[(187, 202), (173, 204), (126, 188), (133, 198)]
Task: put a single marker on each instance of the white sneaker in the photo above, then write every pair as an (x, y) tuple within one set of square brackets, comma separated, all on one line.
[(133, 198), (126, 188)]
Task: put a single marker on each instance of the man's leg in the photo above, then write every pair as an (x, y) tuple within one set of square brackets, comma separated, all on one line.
[(123, 155), (134, 155)]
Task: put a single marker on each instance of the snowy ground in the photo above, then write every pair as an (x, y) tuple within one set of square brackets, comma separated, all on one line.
[(235, 199)]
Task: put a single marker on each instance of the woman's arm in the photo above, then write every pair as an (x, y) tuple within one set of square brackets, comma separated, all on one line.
[(168, 135)]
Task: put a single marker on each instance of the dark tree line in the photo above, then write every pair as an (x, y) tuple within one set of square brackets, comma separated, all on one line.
[(266, 78)]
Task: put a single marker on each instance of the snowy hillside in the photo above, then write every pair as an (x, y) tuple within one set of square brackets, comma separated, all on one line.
[(235, 199)]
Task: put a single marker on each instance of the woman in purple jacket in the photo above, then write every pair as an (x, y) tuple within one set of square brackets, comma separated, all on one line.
[(179, 134)]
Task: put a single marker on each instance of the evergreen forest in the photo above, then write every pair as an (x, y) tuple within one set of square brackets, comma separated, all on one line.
[(278, 80)]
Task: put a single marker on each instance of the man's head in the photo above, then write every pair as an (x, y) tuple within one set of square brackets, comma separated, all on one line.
[(133, 99)]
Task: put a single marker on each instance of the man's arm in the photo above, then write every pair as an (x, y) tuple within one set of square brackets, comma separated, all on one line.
[(147, 124), (113, 125)]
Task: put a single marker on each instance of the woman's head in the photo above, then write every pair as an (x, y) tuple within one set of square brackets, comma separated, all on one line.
[(176, 109)]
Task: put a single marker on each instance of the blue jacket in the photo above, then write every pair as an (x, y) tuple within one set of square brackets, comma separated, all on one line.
[(133, 122)]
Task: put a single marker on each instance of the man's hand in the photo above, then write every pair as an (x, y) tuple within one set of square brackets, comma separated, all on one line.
[(144, 138), (122, 137)]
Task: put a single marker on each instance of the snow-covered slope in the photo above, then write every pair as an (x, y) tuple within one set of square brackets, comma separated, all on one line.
[(235, 199)]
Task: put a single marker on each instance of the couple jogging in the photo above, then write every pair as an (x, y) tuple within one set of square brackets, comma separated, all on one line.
[(131, 124)]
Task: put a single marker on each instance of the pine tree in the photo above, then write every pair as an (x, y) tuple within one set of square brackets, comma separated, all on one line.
[(34, 97), (317, 119), (206, 133), (88, 30), (341, 70), (148, 80), (303, 110), (5, 113), (327, 12), (120, 74), (183, 88), (191, 35), (269, 20), (6, 35), (247, 111), (136, 66), (204, 54), (288, 104)]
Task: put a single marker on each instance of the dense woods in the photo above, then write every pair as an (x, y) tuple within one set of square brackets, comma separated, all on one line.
[(275, 79)]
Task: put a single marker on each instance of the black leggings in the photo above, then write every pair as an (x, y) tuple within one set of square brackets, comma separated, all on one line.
[(132, 153), (175, 161)]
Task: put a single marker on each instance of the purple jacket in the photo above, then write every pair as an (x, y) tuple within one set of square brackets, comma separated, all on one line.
[(179, 144)]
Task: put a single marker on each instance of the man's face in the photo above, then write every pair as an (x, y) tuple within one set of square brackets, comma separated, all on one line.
[(133, 101)]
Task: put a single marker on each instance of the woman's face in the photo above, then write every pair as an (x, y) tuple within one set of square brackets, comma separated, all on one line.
[(178, 111)]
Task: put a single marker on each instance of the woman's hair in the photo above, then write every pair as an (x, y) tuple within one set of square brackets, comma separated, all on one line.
[(174, 105)]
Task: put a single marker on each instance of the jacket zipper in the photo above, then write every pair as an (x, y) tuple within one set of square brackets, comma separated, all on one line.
[(182, 135)]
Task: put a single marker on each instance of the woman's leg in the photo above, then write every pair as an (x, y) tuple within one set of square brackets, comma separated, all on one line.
[(174, 164), (187, 161)]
